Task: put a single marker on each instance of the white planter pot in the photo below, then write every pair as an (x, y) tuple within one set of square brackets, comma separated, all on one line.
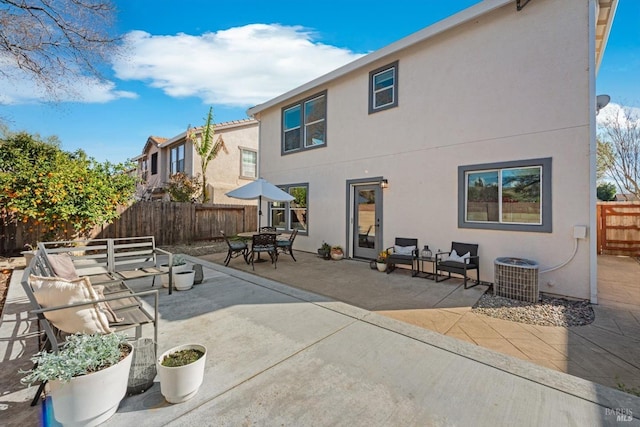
[(178, 384), (91, 399), (183, 280), (381, 266), (28, 256), (337, 256), (176, 269)]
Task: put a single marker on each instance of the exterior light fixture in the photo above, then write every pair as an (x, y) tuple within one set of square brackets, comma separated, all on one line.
[(384, 183)]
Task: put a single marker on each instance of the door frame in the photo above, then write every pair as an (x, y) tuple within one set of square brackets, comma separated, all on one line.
[(351, 185)]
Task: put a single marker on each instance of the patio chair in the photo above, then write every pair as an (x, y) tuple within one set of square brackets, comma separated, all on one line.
[(286, 246), (461, 262), (404, 251), (236, 249), (264, 243)]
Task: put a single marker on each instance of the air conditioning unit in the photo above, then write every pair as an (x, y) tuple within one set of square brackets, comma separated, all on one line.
[(516, 278)]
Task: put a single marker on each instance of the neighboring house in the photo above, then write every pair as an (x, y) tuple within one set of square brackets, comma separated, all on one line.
[(163, 157), (481, 127), (626, 197)]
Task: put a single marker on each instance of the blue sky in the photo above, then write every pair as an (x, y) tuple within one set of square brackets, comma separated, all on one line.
[(186, 56)]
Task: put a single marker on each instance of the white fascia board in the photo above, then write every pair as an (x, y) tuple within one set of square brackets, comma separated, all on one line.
[(446, 24)]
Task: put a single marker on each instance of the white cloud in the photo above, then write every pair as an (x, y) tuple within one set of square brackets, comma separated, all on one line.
[(17, 87), (240, 66), (617, 113)]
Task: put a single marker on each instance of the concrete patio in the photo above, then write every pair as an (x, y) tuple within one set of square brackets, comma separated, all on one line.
[(282, 355)]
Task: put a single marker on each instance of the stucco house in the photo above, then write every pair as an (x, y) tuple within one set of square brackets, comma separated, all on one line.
[(477, 129), (163, 157)]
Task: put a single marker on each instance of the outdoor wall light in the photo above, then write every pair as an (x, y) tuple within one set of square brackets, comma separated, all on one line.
[(384, 183)]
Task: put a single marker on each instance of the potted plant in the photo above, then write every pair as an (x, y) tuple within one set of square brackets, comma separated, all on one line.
[(179, 264), (337, 253), (325, 250), (183, 280), (181, 371), (381, 261), (87, 377), (28, 253)]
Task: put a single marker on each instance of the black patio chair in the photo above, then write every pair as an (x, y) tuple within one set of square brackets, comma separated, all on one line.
[(459, 266), (404, 251), (236, 248), (264, 243), (286, 246)]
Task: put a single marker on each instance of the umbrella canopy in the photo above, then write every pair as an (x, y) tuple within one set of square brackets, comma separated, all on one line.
[(260, 189)]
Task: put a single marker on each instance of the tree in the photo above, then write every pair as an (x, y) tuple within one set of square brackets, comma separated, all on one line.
[(202, 140), (619, 149), (182, 188), (55, 42), (606, 192), (39, 182)]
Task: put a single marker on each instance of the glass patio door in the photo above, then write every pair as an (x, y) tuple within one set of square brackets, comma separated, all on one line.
[(367, 224)]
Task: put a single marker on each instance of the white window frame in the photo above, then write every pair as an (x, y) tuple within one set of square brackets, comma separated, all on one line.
[(244, 166), (177, 163)]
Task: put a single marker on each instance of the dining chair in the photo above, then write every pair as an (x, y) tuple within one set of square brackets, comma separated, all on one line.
[(265, 242), (286, 245)]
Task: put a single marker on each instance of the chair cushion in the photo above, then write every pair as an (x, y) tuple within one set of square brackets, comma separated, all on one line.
[(56, 291), (236, 246), (283, 243), (403, 250), (453, 256), (62, 266)]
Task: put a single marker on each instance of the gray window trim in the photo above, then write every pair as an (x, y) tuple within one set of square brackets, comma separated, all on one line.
[(394, 104), (287, 207), (301, 104), (547, 220)]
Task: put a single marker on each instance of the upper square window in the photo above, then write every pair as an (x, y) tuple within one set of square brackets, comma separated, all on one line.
[(177, 159), (383, 88), (506, 196), (304, 124)]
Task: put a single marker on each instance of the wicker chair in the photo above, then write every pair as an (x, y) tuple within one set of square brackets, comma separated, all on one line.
[(407, 255), (461, 267)]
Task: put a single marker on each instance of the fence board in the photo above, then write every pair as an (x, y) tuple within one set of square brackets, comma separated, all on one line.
[(170, 223), (618, 228)]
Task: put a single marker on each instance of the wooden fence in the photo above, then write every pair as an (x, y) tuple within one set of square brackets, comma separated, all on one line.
[(170, 223), (618, 228)]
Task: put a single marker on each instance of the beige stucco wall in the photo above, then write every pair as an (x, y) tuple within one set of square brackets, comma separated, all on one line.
[(508, 86), (224, 172)]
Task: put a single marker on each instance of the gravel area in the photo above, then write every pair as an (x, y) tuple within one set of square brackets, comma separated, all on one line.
[(547, 312), (198, 249)]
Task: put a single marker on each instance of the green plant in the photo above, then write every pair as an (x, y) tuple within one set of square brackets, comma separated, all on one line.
[(206, 148), (178, 260), (181, 358), (336, 249), (623, 387), (82, 354), (183, 188), (325, 247), (606, 192), (48, 188)]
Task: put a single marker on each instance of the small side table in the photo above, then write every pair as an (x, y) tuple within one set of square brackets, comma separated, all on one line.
[(420, 270)]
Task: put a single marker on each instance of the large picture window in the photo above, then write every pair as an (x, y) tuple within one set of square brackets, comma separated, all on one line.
[(383, 88), (177, 159), (288, 216), (304, 124), (506, 196)]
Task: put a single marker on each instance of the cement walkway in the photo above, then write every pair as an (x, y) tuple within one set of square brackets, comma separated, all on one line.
[(279, 355)]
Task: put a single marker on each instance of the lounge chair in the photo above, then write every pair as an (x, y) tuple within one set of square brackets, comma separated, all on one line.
[(404, 251), (461, 262)]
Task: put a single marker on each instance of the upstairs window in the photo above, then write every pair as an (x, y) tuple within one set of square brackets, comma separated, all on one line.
[(154, 163), (177, 159), (383, 88), (248, 167), (304, 124)]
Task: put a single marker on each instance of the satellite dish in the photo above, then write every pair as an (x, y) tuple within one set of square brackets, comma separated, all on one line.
[(601, 102)]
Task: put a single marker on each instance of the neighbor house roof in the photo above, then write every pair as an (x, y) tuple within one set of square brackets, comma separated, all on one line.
[(605, 18), (218, 126)]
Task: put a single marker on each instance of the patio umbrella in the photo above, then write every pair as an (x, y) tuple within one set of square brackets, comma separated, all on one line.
[(260, 189)]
